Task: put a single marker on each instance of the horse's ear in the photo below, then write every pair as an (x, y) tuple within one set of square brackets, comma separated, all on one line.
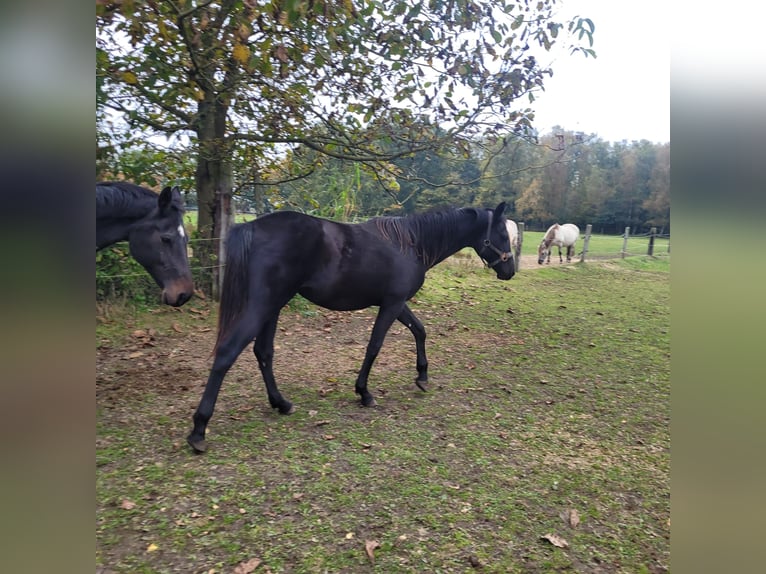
[(166, 198), (499, 210)]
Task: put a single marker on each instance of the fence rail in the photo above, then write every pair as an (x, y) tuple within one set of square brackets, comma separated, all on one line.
[(121, 277)]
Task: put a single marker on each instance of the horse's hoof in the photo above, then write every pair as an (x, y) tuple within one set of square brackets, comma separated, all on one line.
[(290, 409), (421, 385), (198, 446), (370, 403)]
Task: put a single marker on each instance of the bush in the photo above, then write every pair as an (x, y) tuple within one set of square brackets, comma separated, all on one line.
[(120, 277)]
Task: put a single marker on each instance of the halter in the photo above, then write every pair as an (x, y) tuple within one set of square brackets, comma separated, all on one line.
[(504, 255)]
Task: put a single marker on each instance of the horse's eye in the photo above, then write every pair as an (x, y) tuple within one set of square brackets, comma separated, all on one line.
[(166, 238)]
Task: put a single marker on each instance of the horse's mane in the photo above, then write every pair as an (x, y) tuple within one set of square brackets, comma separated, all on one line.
[(124, 199), (430, 234)]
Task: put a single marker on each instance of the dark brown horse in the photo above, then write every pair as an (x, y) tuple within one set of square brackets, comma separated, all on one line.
[(153, 227), (381, 262)]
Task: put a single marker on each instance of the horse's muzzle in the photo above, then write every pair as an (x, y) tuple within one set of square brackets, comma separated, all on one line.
[(505, 271), (177, 293)]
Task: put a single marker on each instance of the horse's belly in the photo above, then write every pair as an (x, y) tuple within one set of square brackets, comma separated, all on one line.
[(340, 299)]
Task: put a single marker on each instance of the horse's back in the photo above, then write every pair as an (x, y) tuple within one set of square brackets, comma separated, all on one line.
[(571, 233), (339, 266)]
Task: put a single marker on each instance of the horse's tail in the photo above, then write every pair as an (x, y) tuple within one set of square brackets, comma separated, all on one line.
[(236, 279)]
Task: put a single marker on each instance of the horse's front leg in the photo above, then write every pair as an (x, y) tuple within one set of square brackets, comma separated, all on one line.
[(264, 352), (386, 316), (226, 353), (408, 319), (561, 259)]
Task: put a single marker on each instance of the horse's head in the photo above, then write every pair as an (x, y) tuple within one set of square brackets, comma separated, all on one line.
[(543, 250), (495, 246), (158, 242)]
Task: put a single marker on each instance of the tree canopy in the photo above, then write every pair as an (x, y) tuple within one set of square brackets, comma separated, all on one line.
[(372, 81)]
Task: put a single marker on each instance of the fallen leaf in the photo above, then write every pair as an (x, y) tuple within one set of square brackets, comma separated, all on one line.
[(574, 518), (370, 546), (176, 328), (152, 547), (128, 504), (247, 567), (135, 355), (556, 540), (349, 535)]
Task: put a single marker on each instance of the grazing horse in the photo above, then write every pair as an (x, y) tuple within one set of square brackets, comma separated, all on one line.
[(340, 266), (153, 226), (561, 236)]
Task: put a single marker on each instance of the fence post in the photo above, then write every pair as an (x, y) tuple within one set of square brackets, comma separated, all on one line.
[(585, 242), (520, 240), (625, 242), (652, 233)]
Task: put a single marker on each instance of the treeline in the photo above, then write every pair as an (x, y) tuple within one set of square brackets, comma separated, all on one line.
[(563, 176)]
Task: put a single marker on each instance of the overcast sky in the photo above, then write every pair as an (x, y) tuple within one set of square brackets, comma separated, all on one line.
[(624, 93)]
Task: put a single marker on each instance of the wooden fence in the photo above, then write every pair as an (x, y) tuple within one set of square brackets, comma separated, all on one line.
[(593, 247), (129, 281)]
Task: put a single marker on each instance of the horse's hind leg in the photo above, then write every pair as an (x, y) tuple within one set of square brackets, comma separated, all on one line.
[(264, 352), (226, 353), (407, 318), (570, 253), (561, 259)]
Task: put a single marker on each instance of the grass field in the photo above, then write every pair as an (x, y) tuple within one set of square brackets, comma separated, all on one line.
[(543, 444)]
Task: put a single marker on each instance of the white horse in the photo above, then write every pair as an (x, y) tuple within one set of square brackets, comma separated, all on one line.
[(561, 236), (513, 235)]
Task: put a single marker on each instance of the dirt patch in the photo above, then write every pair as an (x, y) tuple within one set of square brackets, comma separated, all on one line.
[(320, 347)]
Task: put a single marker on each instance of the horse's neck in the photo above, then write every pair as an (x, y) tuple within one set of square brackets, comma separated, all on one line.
[(112, 229), (118, 209), (454, 238)]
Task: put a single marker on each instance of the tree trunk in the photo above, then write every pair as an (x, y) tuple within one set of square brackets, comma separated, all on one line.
[(214, 188)]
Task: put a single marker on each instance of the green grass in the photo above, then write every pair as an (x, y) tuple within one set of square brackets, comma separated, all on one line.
[(548, 392)]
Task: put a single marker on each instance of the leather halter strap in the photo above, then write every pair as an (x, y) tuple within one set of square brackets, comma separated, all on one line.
[(503, 256)]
